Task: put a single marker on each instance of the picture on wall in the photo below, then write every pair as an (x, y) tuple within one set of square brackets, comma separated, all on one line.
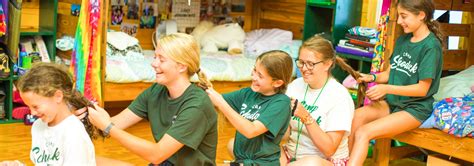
[(150, 8), (129, 28), (75, 9), (117, 2), (132, 12), (147, 21), (117, 14)]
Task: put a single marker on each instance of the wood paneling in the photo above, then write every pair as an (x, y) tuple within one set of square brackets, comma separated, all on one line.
[(128, 92), (461, 6), (443, 4), (30, 15), (438, 141), (456, 29), (452, 59), (283, 14)]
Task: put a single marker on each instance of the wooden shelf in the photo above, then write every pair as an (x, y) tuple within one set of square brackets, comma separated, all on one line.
[(6, 121), (328, 5), (36, 32)]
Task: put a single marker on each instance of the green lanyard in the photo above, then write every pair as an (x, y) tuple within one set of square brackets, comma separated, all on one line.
[(300, 128)]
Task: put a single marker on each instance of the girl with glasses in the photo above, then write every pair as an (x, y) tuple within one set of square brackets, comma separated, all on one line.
[(319, 130)]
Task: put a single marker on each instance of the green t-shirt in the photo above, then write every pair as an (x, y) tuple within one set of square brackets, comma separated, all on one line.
[(190, 119), (410, 63), (274, 112)]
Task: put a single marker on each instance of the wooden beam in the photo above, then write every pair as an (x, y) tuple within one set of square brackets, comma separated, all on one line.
[(459, 5), (404, 152), (454, 59), (438, 141), (443, 4), (382, 152), (463, 30)]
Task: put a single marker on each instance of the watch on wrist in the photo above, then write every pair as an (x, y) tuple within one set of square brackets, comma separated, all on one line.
[(107, 129)]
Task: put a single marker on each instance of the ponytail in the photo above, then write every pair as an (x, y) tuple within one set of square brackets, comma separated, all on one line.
[(434, 27), (77, 101), (204, 83), (362, 86)]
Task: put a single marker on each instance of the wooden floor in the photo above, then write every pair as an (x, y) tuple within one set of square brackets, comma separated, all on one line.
[(15, 143)]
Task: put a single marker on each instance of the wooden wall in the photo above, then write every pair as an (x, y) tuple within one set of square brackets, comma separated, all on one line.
[(283, 14), (67, 23)]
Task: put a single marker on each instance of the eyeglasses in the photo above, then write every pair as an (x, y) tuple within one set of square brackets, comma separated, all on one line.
[(309, 65)]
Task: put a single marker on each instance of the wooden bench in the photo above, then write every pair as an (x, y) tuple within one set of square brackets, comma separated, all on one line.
[(430, 139)]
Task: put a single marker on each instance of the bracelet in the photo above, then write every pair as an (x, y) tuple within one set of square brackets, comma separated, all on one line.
[(307, 120), (375, 77), (107, 129)]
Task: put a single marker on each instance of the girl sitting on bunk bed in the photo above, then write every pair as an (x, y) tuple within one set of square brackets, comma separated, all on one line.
[(408, 85)]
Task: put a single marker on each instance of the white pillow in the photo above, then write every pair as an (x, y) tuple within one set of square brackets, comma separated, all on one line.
[(121, 40), (457, 85)]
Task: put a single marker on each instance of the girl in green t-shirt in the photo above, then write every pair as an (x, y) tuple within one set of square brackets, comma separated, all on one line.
[(261, 112), (174, 107), (408, 84)]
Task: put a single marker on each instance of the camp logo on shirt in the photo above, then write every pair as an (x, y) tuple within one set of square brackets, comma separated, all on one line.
[(250, 114), (310, 109), (404, 66), (43, 156)]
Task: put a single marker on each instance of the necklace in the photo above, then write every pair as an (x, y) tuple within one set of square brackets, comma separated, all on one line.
[(300, 128)]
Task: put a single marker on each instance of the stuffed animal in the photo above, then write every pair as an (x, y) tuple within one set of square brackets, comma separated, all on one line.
[(212, 38)]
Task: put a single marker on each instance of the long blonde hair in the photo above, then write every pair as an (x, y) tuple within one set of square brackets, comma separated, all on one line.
[(183, 48)]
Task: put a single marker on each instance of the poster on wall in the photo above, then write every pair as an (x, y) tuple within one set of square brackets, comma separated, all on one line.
[(150, 8), (129, 28), (117, 15), (75, 9), (186, 15), (117, 2), (132, 9), (220, 11)]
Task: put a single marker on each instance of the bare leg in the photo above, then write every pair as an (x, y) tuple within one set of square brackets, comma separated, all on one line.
[(385, 127), (230, 147), (365, 115)]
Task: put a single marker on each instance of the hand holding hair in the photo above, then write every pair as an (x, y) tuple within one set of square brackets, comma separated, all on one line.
[(377, 92), (365, 78), (98, 117)]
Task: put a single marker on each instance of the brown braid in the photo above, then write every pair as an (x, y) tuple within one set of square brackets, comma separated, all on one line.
[(362, 86)]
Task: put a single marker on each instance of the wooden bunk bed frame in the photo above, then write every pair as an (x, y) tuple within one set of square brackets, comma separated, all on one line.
[(258, 14), (434, 139)]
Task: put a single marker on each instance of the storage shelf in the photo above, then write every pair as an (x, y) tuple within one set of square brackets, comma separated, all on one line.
[(6, 121), (328, 5), (350, 56), (14, 78), (36, 32)]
